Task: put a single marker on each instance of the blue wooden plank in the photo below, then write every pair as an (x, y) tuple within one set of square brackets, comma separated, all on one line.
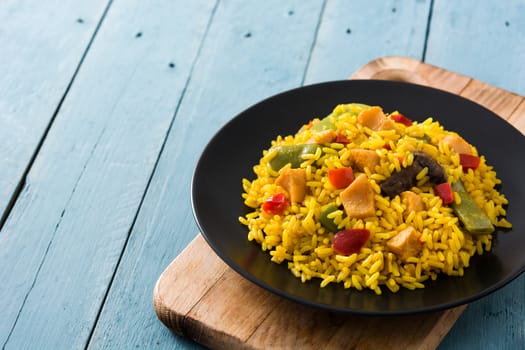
[(243, 60), (486, 42), (352, 33), (61, 244), (495, 322), (41, 45)]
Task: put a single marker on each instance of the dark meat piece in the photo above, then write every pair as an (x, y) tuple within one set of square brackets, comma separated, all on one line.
[(406, 178), (401, 181), (436, 173)]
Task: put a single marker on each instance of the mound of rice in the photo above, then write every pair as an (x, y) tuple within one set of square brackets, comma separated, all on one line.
[(297, 237)]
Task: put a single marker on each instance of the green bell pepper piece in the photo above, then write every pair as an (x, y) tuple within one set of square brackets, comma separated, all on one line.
[(326, 221), (328, 122), (325, 124), (470, 214), (291, 154)]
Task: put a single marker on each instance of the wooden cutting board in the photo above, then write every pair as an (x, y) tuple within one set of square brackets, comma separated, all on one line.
[(200, 297)]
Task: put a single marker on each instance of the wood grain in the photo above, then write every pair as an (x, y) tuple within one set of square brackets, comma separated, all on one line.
[(37, 63), (517, 117), (412, 71), (492, 98), (193, 262), (486, 42), (65, 235), (349, 26)]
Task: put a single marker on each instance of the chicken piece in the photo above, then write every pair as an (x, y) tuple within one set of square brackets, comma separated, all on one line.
[(412, 201), (387, 124), (364, 158), (358, 198), (323, 137), (457, 144), (406, 243), (374, 118), (294, 182)]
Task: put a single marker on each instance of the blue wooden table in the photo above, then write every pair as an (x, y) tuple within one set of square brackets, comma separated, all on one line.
[(106, 105)]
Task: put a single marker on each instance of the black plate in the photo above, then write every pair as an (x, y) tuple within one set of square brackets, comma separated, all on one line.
[(232, 152)]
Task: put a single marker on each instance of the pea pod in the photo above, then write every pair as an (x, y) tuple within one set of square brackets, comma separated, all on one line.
[(470, 214), (326, 221), (291, 154)]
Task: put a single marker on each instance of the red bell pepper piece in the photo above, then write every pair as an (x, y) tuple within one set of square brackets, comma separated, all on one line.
[(444, 191), (400, 118), (276, 204), (468, 161), (350, 241), (341, 177), (340, 138)]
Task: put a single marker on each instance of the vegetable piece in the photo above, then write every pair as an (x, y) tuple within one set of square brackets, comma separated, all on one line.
[(358, 198), (326, 221), (323, 137), (470, 214), (468, 161), (341, 177), (364, 158), (350, 241), (340, 138), (436, 173), (406, 243), (327, 123), (400, 118), (405, 179), (291, 154), (412, 201), (374, 118), (294, 182), (424, 138), (458, 186), (444, 191), (457, 144), (276, 204)]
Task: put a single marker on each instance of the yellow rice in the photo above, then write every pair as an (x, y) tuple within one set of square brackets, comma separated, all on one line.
[(298, 239)]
